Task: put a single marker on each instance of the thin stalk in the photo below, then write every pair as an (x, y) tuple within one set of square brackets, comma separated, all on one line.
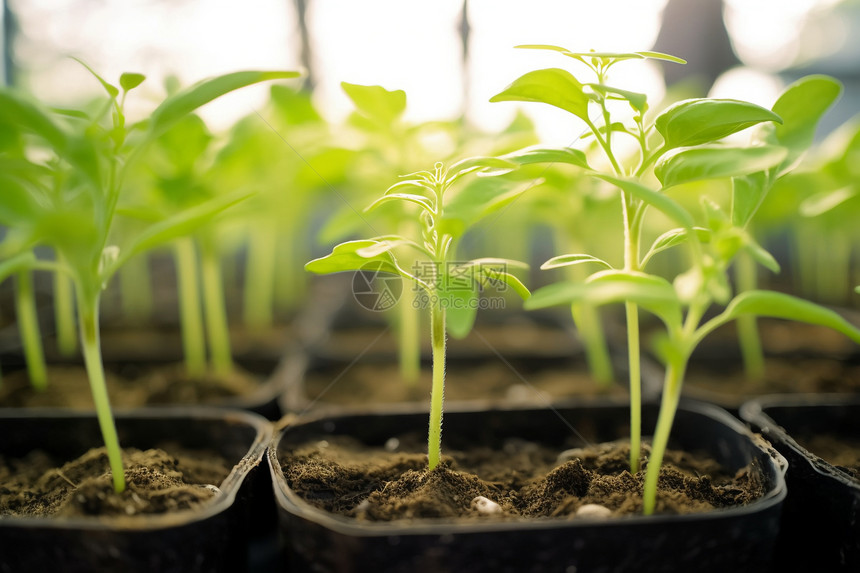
[(28, 327), (64, 314), (586, 318), (748, 334), (260, 276), (136, 290), (289, 274), (88, 311), (665, 419), (632, 315), (437, 392), (190, 313), (216, 312), (409, 334)]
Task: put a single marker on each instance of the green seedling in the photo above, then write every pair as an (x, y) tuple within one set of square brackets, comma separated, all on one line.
[(681, 141), (90, 152), (451, 289)]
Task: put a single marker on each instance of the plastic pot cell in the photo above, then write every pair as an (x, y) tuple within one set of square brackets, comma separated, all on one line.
[(734, 539), (212, 538), (821, 520)]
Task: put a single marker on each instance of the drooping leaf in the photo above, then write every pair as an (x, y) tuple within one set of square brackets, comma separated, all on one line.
[(481, 166), (552, 86), (637, 100), (178, 225), (781, 305), (659, 201), (716, 162), (566, 155), (376, 102), (672, 238), (188, 100), (697, 121), (569, 260), (801, 106), (494, 272), (419, 200), (345, 257), (760, 255), (652, 293), (129, 80)]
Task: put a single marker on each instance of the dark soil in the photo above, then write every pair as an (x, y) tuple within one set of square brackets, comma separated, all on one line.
[(839, 451), (526, 479), (39, 485), (68, 387), (489, 379)]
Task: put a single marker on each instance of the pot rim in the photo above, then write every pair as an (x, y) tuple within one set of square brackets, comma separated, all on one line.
[(290, 501), (754, 412), (229, 487)]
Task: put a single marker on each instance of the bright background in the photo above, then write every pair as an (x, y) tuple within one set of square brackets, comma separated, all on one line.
[(751, 48)]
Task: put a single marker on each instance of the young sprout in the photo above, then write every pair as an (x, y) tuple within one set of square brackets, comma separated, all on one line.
[(451, 288), (688, 124), (78, 219)]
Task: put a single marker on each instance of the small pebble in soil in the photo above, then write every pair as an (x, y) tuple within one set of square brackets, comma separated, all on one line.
[(392, 444), (486, 506), (571, 454), (593, 511), (322, 444)]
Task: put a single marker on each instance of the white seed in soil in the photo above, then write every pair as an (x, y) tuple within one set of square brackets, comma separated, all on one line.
[(594, 511), (322, 444), (486, 506), (363, 506), (519, 393), (392, 444)]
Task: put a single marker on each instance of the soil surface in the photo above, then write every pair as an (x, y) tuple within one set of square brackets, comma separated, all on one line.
[(39, 485), (839, 451), (68, 387), (526, 480), (490, 379)]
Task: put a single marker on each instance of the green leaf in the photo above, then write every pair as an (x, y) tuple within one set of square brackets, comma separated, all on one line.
[(109, 88), (481, 166), (531, 156), (569, 260), (748, 193), (716, 162), (697, 121), (128, 81), (178, 225), (781, 305), (491, 271), (825, 201), (18, 110), (383, 105), (387, 244), (760, 255), (605, 55), (479, 199), (15, 264), (637, 100), (346, 257), (461, 308), (419, 200), (186, 101), (673, 238), (651, 292), (552, 86), (801, 106), (659, 201)]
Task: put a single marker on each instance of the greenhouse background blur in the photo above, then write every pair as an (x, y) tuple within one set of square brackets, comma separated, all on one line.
[(449, 56)]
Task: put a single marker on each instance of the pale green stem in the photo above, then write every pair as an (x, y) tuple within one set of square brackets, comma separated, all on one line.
[(437, 392), (590, 329), (216, 313), (260, 276), (805, 267), (409, 334), (190, 312), (88, 312), (28, 326), (834, 262), (64, 314), (290, 276), (665, 419), (748, 334), (136, 290), (632, 315)]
